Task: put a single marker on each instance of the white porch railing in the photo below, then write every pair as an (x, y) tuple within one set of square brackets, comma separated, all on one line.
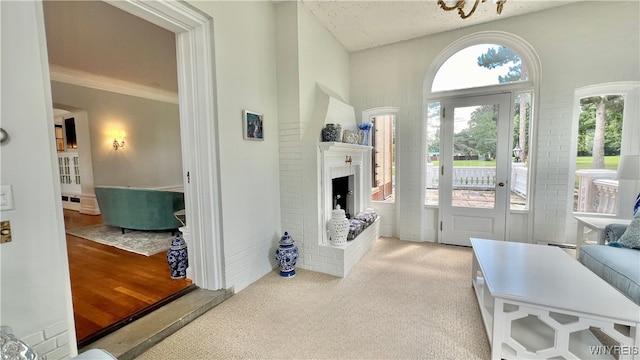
[(474, 177), (480, 178), (519, 176), (597, 191), (433, 178), (465, 177)]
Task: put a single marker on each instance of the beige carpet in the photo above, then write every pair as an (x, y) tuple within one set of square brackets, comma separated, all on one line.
[(402, 301)]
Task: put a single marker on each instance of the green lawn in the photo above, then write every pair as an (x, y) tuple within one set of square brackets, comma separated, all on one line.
[(585, 162), (582, 162)]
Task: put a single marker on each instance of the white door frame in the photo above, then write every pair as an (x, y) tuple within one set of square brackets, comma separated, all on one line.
[(458, 224), (199, 131), (531, 60)]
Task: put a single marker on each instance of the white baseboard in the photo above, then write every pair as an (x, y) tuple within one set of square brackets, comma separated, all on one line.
[(89, 205), (71, 201)]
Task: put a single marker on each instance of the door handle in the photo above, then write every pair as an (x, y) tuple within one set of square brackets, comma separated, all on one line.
[(501, 184)]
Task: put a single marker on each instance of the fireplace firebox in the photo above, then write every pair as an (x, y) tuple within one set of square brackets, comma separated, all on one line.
[(342, 193)]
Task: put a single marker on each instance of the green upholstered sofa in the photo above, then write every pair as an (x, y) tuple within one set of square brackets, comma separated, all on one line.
[(139, 209)]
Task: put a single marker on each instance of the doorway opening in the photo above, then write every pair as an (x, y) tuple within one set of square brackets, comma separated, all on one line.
[(197, 96), (111, 287)]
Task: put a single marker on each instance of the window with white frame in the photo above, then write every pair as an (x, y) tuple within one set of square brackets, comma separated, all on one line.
[(383, 159), (604, 115)]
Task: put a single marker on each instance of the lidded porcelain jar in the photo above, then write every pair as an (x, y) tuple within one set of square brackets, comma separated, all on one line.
[(338, 226), (331, 132), (177, 257), (287, 256)]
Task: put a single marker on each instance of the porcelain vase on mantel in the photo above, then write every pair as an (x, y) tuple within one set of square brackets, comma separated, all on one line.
[(331, 132), (338, 227), (287, 256)]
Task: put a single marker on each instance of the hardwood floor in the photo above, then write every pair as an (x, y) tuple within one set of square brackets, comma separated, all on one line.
[(111, 287)]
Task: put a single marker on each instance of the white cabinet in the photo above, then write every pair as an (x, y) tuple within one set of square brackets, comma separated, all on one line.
[(69, 168)]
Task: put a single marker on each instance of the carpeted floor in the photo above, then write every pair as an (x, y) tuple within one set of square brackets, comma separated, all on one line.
[(140, 242), (403, 300)]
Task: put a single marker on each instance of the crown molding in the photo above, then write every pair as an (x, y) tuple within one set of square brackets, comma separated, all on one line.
[(93, 81)]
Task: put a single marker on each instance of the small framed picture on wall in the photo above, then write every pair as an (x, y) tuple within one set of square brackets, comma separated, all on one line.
[(252, 125)]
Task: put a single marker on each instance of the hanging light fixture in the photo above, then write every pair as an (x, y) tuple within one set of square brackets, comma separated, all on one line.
[(460, 4)]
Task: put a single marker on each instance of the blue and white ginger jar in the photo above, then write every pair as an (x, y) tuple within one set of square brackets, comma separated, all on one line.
[(331, 132), (178, 258), (287, 256)]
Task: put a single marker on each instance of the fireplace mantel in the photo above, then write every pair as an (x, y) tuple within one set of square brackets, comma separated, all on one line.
[(343, 147)]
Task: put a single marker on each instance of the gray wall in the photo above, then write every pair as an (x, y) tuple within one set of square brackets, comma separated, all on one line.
[(152, 154)]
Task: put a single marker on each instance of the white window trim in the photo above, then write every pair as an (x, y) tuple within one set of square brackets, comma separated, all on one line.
[(630, 125), (530, 60)]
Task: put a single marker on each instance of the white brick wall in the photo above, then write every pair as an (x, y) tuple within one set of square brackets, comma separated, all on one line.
[(51, 343), (340, 260), (309, 57), (601, 44)]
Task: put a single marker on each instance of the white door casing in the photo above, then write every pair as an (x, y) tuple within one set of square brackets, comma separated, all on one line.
[(198, 130)]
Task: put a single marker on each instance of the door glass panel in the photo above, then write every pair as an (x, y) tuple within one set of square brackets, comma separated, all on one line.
[(474, 156), (433, 153), (519, 184)]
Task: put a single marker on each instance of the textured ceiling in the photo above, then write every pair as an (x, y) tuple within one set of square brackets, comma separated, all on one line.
[(98, 38), (364, 24)]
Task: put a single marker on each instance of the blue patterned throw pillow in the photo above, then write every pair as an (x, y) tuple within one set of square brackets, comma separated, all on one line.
[(631, 236), (636, 207)]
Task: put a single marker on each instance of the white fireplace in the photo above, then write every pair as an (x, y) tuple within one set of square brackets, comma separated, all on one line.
[(312, 165), (342, 160)]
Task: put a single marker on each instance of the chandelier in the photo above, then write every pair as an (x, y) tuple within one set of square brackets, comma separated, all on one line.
[(461, 4)]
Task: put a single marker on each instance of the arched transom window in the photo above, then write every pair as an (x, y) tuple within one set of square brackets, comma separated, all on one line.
[(480, 65)]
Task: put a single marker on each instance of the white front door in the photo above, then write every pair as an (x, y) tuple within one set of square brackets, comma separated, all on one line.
[(474, 162)]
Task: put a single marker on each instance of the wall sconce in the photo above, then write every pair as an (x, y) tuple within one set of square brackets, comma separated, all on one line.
[(118, 139)]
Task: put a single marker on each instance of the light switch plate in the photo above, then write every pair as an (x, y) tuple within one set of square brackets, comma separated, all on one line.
[(6, 197)]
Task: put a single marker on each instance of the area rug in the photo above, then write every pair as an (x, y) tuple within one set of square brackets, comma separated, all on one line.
[(140, 242)]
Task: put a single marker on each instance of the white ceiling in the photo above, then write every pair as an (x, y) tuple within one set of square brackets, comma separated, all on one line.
[(364, 24), (81, 34)]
